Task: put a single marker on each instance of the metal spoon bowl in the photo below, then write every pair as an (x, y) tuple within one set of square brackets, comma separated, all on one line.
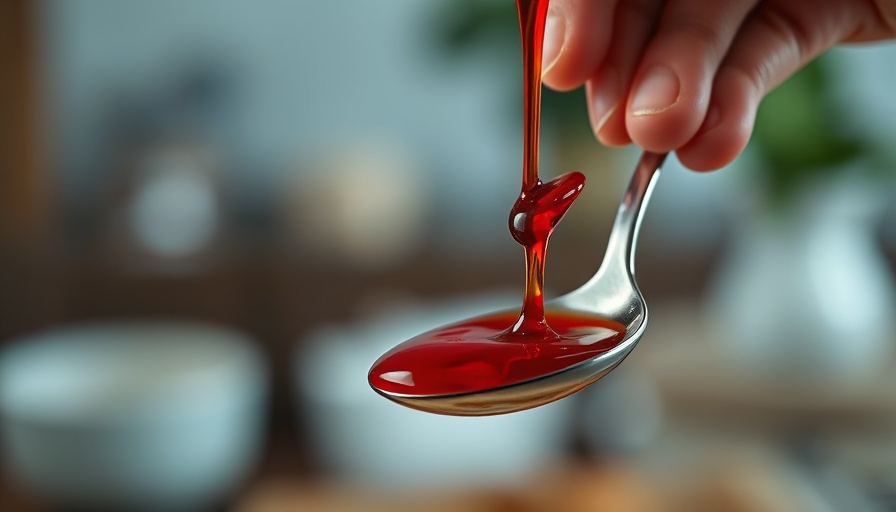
[(611, 293)]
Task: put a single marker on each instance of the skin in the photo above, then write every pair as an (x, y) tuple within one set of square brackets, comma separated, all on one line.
[(688, 75)]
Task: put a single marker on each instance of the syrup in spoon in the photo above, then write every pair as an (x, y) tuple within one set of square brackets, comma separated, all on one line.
[(508, 362)]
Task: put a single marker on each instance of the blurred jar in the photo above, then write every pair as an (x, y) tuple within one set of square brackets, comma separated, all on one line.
[(364, 206), (809, 297), (170, 210)]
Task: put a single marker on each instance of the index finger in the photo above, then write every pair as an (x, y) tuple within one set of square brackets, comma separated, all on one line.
[(577, 37)]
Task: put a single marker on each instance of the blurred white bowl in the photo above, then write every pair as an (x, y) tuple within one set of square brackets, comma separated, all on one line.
[(147, 416), (361, 435)]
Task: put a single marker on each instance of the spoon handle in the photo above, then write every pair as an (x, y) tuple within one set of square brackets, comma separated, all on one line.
[(624, 235), (616, 271)]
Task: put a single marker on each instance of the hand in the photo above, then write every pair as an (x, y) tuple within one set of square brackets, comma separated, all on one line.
[(688, 75)]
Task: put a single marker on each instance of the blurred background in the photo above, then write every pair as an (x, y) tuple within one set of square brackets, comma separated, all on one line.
[(214, 216)]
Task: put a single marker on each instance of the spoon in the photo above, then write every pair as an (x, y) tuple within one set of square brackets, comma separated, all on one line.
[(610, 294)]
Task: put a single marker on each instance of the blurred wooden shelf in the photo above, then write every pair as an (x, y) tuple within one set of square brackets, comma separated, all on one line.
[(697, 377)]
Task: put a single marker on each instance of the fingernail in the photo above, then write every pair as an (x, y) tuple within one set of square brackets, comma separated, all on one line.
[(657, 93), (554, 39), (604, 98)]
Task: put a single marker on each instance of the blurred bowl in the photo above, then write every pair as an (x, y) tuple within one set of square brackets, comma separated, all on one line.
[(132, 416), (360, 435)]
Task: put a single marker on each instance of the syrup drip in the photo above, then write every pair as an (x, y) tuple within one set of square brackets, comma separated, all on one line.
[(484, 353)]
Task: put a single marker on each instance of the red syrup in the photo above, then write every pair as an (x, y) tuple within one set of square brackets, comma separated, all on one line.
[(504, 349)]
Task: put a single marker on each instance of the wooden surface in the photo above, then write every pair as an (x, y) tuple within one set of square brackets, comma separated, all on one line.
[(568, 489), (749, 487)]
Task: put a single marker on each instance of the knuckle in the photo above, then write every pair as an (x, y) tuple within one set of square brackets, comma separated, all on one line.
[(703, 32), (886, 13), (796, 35)]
